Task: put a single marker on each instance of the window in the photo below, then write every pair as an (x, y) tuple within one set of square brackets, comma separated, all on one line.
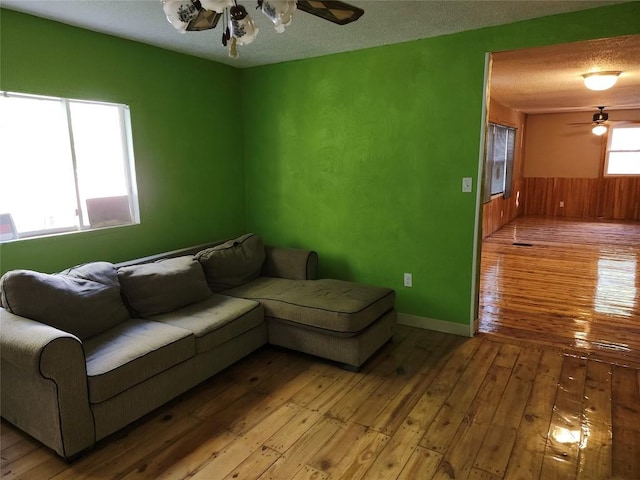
[(623, 150), (65, 165), (499, 160)]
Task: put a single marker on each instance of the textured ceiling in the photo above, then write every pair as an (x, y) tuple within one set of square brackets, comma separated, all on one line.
[(549, 79), (534, 81), (384, 22)]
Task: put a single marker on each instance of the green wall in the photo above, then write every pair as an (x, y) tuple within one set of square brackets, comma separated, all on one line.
[(186, 131), (361, 155)]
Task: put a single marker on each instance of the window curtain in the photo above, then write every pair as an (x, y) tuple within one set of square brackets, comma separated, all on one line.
[(488, 164), (511, 148)]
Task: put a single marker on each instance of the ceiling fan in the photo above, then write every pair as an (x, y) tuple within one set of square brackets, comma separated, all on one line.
[(198, 15), (599, 122)]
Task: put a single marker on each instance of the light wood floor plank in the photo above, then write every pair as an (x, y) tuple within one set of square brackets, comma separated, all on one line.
[(460, 457), (334, 392), (320, 379), (116, 456), (337, 448), (625, 413), (531, 439), (285, 438), (423, 463), (254, 465), (566, 429), (595, 451), (359, 456), (427, 408), (310, 473), (440, 433), (394, 456), (477, 474), (203, 445), (10, 436), (238, 451), (494, 454), (559, 348), (31, 465), (388, 407), (303, 450)]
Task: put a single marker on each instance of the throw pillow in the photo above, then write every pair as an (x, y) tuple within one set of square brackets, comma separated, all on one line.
[(163, 286), (234, 262), (83, 300)]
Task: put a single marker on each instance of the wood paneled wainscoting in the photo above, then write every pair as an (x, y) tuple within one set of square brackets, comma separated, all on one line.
[(610, 198), (500, 211)]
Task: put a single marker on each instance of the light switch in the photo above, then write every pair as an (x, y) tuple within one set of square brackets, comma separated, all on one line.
[(467, 185)]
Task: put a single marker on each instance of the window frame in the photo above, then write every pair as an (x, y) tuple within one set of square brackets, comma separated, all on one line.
[(128, 166), (608, 150), (512, 133)]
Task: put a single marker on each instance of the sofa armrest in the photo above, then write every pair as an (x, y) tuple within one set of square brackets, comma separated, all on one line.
[(44, 384), (291, 263)]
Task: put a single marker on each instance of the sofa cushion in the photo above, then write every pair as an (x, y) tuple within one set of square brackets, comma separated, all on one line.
[(84, 300), (234, 262), (163, 286), (333, 305), (131, 352), (215, 320)]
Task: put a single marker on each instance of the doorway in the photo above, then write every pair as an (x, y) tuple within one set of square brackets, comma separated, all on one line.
[(530, 238)]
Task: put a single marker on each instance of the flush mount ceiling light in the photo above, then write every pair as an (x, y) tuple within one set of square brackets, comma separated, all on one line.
[(600, 80), (238, 27)]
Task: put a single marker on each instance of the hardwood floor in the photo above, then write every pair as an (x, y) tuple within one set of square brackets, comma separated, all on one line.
[(560, 400), (566, 283), (429, 405)]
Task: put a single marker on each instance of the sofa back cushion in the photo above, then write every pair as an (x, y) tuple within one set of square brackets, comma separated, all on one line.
[(163, 286), (83, 300), (233, 263)]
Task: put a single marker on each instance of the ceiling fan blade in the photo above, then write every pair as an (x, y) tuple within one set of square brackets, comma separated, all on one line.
[(205, 20), (334, 11)]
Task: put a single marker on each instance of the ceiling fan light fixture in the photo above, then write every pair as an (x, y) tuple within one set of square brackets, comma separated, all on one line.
[(599, 130), (600, 80), (241, 25), (239, 28), (280, 12), (180, 13)]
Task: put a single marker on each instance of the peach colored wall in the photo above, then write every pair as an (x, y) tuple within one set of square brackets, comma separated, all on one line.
[(555, 148)]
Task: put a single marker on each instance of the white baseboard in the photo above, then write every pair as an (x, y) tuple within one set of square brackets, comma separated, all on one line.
[(433, 324)]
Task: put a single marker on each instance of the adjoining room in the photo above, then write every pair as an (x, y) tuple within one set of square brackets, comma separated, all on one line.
[(561, 228)]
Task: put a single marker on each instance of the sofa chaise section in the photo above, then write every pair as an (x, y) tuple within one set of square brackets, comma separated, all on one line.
[(341, 321)]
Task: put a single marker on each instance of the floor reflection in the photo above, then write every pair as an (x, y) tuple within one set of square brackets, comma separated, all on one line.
[(567, 283), (616, 291)]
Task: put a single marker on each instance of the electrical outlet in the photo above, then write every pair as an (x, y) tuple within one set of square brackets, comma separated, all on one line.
[(561, 204), (467, 184), (408, 280)]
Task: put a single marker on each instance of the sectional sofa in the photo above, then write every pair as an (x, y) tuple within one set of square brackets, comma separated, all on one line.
[(89, 350)]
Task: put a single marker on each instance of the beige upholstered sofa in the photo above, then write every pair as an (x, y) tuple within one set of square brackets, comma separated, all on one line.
[(91, 349)]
